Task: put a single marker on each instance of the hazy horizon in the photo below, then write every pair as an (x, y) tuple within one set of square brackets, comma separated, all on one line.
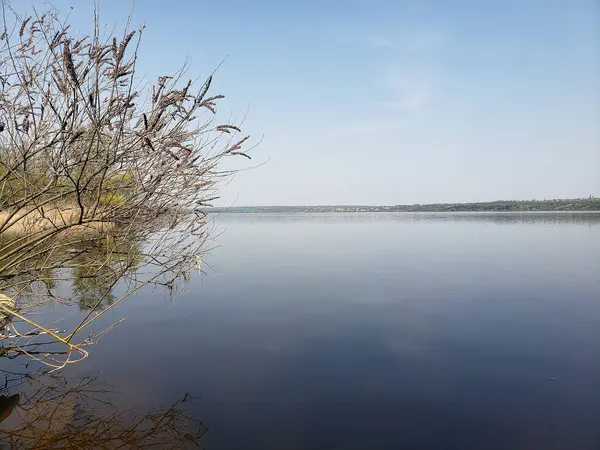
[(387, 102), (399, 204)]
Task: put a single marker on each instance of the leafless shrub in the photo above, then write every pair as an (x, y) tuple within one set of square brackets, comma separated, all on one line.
[(92, 163)]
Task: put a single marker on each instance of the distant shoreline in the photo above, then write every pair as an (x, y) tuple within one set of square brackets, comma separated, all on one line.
[(590, 204)]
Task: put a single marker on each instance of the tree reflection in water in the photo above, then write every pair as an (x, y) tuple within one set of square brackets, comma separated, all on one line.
[(82, 276), (42, 410)]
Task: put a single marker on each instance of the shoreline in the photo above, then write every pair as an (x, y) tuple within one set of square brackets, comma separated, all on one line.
[(590, 204), (223, 211)]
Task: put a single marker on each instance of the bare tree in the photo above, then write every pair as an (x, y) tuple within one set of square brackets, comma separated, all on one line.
[(101, 176)]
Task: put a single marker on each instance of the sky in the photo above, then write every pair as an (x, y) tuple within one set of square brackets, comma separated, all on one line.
[(389, 102)]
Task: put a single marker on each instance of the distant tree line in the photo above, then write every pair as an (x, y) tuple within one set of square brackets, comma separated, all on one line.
[(576, 204)]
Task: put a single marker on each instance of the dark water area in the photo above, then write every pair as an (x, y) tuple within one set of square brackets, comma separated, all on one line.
[(387, 331)]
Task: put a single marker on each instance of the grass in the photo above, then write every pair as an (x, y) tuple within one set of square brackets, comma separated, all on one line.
[(34, 221)]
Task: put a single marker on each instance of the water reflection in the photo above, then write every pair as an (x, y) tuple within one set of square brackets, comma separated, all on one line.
[(97, 269), (84, 274), (81, 272), (525, 218), (363, 330), (47, 409), (39, 411)]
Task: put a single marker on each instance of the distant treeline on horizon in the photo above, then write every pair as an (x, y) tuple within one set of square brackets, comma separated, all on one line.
[(576, 204)]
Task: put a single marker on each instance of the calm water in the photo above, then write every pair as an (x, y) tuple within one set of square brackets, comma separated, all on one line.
[(378, 331)]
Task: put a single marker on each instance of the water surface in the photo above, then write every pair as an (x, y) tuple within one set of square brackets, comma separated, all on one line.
[(383, 331)]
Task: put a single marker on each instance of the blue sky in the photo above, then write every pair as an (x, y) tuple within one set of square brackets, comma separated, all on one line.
[(388, 102)]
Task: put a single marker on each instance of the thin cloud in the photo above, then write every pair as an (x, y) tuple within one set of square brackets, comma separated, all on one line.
[(421, 42), (416, 41), (367, 127), (406, 94), (380, 41), (426, 42)]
